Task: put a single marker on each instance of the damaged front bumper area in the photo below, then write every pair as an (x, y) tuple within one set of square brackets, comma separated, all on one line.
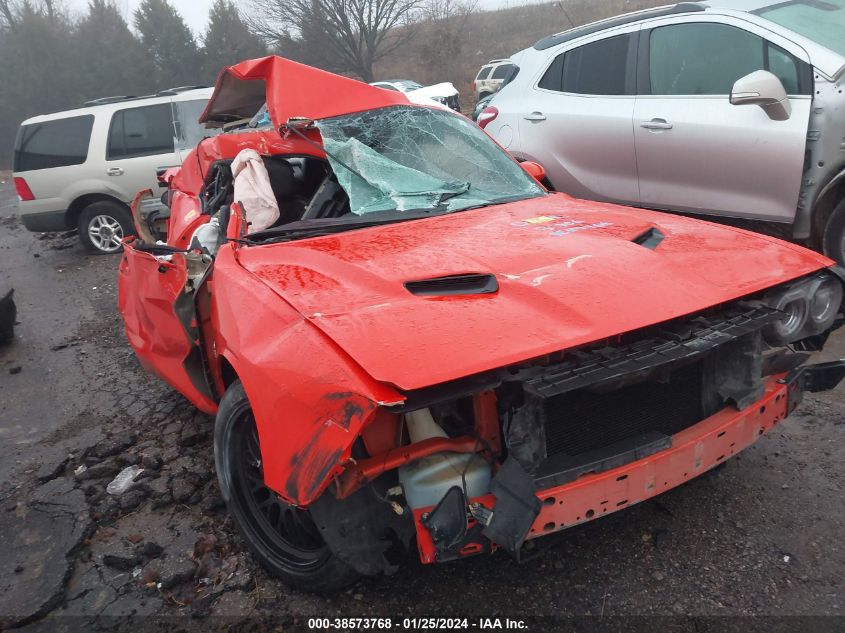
[(565, 490), (496, 459), (609, 426)]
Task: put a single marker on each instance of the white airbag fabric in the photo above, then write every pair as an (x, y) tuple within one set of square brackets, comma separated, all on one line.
[(253, 190)]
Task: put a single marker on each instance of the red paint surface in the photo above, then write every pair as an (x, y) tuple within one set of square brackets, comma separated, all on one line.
[(556, 291)]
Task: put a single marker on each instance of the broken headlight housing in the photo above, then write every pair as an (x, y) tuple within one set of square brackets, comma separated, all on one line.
[(810, 307)]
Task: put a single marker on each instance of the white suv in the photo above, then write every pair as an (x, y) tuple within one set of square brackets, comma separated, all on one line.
[(729, 108), (81, 168), (491, 77)]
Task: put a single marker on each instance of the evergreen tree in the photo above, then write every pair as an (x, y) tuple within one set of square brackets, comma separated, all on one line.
[(227, 40), (168, 43), (37, 74), (111, 59)]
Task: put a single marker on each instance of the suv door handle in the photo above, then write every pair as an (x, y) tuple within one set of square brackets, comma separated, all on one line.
[(535, 116), (656, 124), (115, 171)]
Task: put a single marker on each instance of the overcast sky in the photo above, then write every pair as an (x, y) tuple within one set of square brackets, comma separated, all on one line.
[(195, 12)]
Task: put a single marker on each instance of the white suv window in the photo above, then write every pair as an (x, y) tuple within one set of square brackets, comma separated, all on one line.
[(703, 58), (191, 132), (57, 143), (501, 71), (597, 68), (143, 131), (482, 74)]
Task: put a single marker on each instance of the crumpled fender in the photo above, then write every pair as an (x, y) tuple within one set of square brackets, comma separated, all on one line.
[(309, 398)]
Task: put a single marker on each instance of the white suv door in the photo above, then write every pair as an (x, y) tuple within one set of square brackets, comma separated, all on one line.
[(140, 139), (575, 119), (697, 152)]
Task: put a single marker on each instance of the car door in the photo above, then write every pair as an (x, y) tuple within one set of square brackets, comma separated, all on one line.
[(157, 289), (697, 152), (141, 139), (575, 118)]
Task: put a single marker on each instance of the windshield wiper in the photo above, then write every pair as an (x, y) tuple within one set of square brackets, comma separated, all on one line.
[(313, 228)]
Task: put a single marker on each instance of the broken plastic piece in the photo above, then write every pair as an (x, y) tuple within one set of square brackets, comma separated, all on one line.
[(124, 480)]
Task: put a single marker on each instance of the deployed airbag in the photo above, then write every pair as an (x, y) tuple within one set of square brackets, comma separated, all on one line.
[(253, 190)]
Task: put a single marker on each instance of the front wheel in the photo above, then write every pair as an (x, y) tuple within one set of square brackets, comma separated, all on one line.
[(103, 225), (284, 538)]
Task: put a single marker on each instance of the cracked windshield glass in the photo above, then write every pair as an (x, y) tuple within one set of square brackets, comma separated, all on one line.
[(409, 158)]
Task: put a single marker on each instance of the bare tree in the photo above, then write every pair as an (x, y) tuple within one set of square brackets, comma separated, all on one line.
[(441, 50), (7, 14), (339, 35)]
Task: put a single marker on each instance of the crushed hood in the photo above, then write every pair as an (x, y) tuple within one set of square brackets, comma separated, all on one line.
[(290, 90), (568, 272)]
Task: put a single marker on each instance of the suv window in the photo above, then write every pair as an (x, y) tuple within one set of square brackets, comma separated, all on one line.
[(707, 59), (143, 131), (482, 74), (597, 68), (56, 143), (190, 131), (501, 71), (785, 67)]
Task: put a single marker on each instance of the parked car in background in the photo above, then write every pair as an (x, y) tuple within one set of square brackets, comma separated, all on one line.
[(81, 168), (491, 77), (444, 93), (413, 349), (735, 112), (479, 107), (401, 85)]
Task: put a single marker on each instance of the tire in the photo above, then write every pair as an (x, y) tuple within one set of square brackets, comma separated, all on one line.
[(283, 538), (483, 95), (103, 225), (833, 241)]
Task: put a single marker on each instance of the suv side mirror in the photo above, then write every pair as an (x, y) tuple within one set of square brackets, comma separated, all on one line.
[(764, 89)]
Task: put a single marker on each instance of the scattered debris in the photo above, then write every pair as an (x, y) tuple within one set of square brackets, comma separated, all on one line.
[(124, 480)]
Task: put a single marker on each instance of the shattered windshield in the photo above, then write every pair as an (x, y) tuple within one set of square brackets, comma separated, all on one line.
[(411, 158)]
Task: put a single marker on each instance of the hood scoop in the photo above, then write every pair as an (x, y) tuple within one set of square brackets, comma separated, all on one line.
[(649, 238), (451, 285)]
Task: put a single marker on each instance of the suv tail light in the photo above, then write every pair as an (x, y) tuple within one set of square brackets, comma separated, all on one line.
[(24, 192), (488, 115)]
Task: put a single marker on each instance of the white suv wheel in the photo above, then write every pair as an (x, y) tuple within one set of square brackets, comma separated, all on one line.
[(105, 233)]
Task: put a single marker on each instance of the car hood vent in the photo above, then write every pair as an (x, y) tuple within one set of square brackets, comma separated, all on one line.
[(650, 238), (468, 284)]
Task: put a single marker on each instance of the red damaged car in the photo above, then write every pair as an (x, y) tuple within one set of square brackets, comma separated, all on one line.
[(412, 345)]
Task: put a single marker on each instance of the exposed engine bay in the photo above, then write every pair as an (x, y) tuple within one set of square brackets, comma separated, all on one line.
[(519, 431)]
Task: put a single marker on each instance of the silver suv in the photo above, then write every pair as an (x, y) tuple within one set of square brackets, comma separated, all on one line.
[(81, 168), (726, 108)]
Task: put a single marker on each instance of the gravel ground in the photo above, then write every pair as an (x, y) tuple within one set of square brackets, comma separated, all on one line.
[(761, 536)]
